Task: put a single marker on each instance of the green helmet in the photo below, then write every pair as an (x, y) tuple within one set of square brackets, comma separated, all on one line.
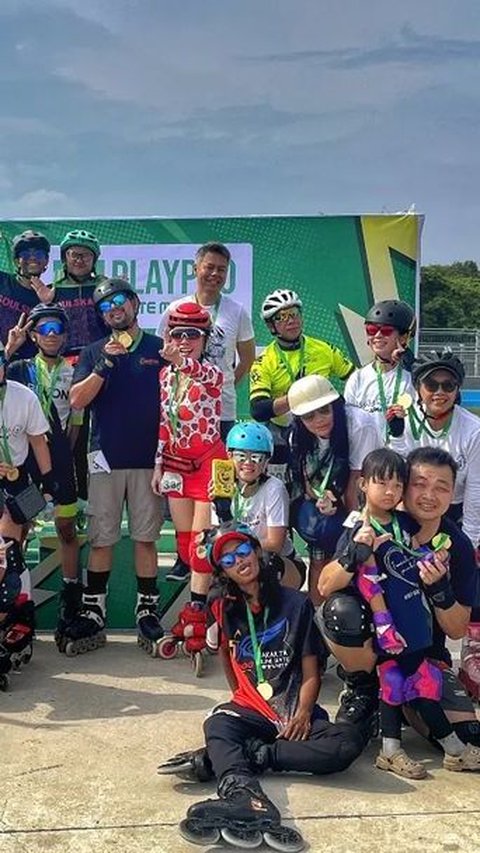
[(80, 238)]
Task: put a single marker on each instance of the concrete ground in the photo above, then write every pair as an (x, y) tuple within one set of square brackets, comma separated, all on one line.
[(80, 740)]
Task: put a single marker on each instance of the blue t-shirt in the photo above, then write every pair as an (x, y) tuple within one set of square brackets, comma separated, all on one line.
[(15, 300), (125, 413)]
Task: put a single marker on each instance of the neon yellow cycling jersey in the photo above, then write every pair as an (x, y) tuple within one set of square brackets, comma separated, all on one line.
[(274, 371)]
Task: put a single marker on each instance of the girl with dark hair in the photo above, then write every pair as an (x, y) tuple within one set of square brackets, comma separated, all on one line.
[(328, 443), (272, 651)]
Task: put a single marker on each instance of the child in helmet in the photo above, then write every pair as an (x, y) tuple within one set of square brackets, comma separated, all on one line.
[(49, 375), (381, 385), (189, 440), (262, 501)]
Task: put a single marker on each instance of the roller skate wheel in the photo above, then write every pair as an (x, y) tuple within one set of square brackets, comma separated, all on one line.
[(185, 650), (197, 664), (284, 839), (4, 683), (71, 650), (246, 839), (191, 831), (167, 648)]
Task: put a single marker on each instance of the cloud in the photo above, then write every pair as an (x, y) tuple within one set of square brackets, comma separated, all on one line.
[(39, 202)]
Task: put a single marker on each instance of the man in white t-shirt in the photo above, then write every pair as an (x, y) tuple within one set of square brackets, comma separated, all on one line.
[(379, 385), (231, 343)]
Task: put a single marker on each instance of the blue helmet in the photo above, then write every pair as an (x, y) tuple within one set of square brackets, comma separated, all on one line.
[(248, 435)]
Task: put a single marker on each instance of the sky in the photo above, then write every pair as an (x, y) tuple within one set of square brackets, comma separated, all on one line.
[(238, 107)]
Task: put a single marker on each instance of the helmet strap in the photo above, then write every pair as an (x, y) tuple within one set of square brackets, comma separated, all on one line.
[(289, 345), (431, 417)]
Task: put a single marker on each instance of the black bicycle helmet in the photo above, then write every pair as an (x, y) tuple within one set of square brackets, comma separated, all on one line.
[(438, 360), (110, 286), (392, 312), (40, 311), (30, 240)]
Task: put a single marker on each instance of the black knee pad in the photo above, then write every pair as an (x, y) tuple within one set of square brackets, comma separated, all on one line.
[(346, 619)]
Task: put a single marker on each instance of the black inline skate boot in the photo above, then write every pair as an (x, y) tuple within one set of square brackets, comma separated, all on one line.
[(5, 667), (194, 765), (70, 603), (359, 701), (87, 631), (17, 633), (243, 816), (149, 627)]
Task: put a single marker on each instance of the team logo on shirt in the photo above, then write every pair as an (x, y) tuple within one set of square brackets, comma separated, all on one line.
[(275, 632)]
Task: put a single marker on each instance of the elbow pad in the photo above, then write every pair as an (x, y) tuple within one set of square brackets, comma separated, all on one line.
[(261, 409)]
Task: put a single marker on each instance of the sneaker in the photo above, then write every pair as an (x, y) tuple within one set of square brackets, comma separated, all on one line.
[(179, 572), (469, 759), (401, 764)]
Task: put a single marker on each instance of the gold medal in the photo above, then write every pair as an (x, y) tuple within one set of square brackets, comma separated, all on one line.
[(13, 474), (124, 339), (441, 540), (405, 401), (265, 689)]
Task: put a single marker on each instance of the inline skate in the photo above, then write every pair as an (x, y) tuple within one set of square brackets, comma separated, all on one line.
[(149, 627), (87, 631), (189, 632)]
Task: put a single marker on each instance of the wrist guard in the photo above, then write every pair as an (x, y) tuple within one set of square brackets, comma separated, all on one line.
[(50, 485), (104, 365), (440, 594), (353, 555)]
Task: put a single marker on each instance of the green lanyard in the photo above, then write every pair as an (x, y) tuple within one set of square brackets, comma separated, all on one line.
[(215, 308), (176, 399), (256, 646), (7, 456), (320, 492), (381, 392), (286, 364), (397, 534), (418, 426), (46, 381)]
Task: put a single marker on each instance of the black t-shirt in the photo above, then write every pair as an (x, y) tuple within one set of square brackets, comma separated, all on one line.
[(15, 299), (84, 324), (463, 578), (125, 413), (287, 635)]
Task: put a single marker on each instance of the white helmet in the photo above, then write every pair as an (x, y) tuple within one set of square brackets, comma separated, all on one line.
[(310, 393), (277, 300)]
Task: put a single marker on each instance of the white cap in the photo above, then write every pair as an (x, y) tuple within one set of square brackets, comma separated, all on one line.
[(310, 393)]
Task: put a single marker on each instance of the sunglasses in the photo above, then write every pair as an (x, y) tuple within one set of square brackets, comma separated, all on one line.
[(246, 456), (79, 256), (242, 550), (286, 314), (32, 255), (323, 412), (51, 327), (117, 301), (373, 328), (448, 385), (190, 333)]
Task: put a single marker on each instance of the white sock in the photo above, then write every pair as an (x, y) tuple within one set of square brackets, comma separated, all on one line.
[(452, 744), (390, 745)]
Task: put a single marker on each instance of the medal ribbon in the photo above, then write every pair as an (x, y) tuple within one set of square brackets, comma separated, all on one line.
[(286, 364), (397, 534), (320, 492), (256, 646), (176, 399), (6, 453), (418, 426), (381, 391), (46, 381)]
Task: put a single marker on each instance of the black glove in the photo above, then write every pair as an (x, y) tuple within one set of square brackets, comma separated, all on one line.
[(354, 554), (223, 509), (104, 364), (440, 594)]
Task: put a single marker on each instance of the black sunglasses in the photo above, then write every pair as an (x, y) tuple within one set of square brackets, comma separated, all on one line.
[(448, 385)]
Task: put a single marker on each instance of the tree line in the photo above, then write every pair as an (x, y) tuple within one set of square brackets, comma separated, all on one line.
[(449, 296)]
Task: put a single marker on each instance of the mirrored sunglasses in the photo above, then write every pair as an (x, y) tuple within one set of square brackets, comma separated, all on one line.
[(286, 314), (247, 456), (242, 550), (189, 333), (32, 255), (116, 301), (447, 385), (51, 327), (373, 328)]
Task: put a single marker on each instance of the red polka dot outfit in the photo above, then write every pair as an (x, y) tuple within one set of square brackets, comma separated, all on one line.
[(190, 405)]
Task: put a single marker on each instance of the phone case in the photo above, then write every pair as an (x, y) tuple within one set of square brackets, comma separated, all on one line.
[(223, 474)]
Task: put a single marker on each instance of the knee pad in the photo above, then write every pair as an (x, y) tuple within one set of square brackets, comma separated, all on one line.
[(392, 683), (198, 560), (346, 620), (468, 731), (425, 683), (183, 545)]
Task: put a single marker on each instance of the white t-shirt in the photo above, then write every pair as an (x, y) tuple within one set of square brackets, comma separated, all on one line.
[(462, 441), (232, 326), (268, 507), (361, 389), (363, 435), (21, 415)]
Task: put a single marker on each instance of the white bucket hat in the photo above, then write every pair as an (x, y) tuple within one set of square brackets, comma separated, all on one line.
[(310, 393)]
